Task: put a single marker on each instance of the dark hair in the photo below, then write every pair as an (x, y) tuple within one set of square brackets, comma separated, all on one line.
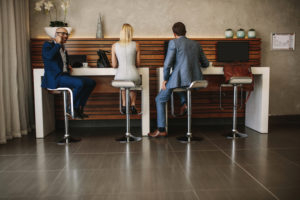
[(179, 29)]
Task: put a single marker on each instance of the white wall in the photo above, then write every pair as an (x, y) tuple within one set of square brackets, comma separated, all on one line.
[(203, 18)]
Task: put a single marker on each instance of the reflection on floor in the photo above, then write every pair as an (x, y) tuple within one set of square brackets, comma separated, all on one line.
[(262, 166)]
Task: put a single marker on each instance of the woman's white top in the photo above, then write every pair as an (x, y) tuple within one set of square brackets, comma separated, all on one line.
[(126, 55)]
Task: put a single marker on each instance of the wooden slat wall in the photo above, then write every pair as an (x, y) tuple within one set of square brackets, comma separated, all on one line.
[(103, 104)]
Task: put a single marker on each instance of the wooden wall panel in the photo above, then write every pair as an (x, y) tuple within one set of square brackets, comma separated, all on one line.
[(104, 102)]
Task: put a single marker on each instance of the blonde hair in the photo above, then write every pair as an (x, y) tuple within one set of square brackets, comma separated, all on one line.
[(126, 34)]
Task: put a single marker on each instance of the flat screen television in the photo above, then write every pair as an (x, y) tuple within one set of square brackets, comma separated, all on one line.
[(232, 51)]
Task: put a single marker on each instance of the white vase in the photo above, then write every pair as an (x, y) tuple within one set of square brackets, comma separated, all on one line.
[(251, 33), (52, 30), (229, 33)]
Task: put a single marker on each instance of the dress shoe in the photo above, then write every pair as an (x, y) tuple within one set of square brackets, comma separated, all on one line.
[(83, 115), (77, 114), (123, 110), (183, 110), (133, 110), (157, 134)]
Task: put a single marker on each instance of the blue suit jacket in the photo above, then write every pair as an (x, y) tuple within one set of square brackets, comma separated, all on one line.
[(184, 57), (53, 64)]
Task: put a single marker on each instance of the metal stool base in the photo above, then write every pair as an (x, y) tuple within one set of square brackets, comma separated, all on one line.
[(129, 138), (68, 140), (186, 139), (236, 134)]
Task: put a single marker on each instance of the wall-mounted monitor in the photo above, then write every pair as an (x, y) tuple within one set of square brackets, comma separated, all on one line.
[(232, 51)]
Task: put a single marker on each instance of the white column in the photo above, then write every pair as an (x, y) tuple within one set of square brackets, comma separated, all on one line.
[(257, 107), (146, 101)]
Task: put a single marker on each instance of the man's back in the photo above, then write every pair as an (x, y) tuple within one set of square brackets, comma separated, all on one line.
[(184, 57)]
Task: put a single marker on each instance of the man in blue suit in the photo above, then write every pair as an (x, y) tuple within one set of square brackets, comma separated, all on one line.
[(184, 57), (57, 72)]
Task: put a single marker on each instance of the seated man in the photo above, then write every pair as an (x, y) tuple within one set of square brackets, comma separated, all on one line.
[(57, 72), (185, 57)]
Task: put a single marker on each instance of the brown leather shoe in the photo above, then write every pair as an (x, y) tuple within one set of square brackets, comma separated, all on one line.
[(183, 110), (156, 134)]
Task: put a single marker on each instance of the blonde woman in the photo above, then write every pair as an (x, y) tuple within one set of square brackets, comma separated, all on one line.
[(126, 56)]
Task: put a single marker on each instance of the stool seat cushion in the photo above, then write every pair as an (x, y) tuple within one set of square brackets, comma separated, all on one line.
[(57, 90), (199, 84), (240, 80), (123, 84), (194, 84)]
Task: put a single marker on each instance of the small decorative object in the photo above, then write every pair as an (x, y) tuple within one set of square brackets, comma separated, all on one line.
[(99, 33), (48, 8), (229, 33), (240, 33), (251, 33)]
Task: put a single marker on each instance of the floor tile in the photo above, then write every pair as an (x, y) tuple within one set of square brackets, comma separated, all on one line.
[(116, 181), (220, 177), (281, 175), (25, 184), (186, 195), (245, 194), (38, 162), (290, 154), (200, 158), (256, 156), (149, 160)]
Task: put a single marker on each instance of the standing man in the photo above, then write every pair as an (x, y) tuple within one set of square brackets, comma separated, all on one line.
[(57, 72), (184, 57)]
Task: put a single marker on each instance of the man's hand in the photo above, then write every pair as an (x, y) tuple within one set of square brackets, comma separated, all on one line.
[(70, 69), (163, 85), (58, 39)]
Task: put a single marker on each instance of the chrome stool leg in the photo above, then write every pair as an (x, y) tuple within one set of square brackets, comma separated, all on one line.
[(67, 138), (128, 137), (235, 133), (188, 137)]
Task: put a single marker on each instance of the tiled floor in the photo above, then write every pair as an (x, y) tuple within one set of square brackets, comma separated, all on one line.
[(262, 166)]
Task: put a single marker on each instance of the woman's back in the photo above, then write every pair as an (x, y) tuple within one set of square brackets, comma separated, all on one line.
[(126, 55)]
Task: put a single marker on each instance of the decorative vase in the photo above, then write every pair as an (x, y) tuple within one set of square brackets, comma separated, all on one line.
[(229, 33), (240, 33), (251, 33), (52, 30), (99, 33)]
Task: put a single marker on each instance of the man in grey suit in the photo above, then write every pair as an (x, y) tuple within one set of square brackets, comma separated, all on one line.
[(184, 57)]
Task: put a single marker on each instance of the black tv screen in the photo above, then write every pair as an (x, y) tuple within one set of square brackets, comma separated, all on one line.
[(232, 51)]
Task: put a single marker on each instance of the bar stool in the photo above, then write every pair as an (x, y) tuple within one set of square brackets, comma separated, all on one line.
[(67, 138), (127, 85), (235, 82), (196, 84)]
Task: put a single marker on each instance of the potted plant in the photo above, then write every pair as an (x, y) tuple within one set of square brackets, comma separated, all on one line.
[(49, 8)]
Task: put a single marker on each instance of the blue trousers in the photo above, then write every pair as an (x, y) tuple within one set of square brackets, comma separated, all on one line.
[(81, 86), (161, 99)]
